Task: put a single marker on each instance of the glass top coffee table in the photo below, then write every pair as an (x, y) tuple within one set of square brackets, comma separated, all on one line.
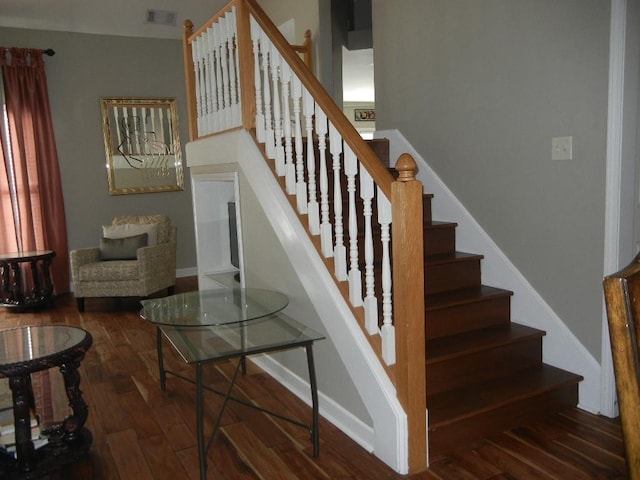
[(209, 326)]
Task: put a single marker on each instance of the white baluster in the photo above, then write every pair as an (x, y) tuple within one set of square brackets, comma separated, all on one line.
[(274, 63), (233, 70), (255, 37), (301, 186), (197, 67), (285, 75), (296, 95), (325, 224), (339, 250), (313, 209), (355, 279), (213, 115), (223, 56), (222, 124), (227, 55), (269, 144), (210, 80), (387, 332), (370, 300), (237, 67)]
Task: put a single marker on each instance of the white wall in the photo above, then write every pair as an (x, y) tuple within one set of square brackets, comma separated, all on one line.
[(306, 16)]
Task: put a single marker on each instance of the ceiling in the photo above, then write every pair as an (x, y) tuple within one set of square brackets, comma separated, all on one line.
[(128, 18), (106, 17)]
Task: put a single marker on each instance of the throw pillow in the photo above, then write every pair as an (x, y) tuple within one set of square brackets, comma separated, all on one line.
[(122, 248), (131, 229)]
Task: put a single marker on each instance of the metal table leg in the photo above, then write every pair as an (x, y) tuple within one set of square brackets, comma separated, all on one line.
[(202, 453), (315, 431), (202, 448), (162, 371)]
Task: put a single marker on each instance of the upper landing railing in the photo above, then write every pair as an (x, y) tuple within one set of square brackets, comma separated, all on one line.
[(241, 72)]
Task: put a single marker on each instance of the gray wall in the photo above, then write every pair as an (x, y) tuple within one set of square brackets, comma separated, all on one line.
[(85, 68), (480, 88), (267, 266)]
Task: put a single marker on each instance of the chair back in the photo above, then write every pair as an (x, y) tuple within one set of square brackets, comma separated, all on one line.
[(622, 298), (166, 231)]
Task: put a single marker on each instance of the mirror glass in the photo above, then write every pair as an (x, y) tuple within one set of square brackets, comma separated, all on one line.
[(142, 145)]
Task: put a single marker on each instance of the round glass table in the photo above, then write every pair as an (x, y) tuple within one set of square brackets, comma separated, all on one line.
[(30, 349)]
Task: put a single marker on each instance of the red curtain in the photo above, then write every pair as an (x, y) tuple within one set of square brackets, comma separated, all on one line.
[(32, 206)]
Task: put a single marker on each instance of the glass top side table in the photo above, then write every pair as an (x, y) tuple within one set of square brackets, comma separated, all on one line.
[(26, 349), (219, 342), (210, 326), (25, 288), (213, 307), (30, 349)]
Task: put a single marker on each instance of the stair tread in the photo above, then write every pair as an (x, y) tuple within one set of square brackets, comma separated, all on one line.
[(441, 258), (439, 224), (453, 405), (446, 348), (463, 296)]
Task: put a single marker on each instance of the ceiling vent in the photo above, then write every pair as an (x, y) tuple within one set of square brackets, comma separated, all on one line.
[(161, 17)]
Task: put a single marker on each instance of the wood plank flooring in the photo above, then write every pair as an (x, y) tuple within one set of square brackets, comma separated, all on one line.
[(143, 433)]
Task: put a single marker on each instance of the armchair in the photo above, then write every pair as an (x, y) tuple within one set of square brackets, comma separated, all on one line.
[(104, 272)]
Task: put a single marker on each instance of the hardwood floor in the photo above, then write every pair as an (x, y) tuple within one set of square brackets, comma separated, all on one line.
[(142, 433)]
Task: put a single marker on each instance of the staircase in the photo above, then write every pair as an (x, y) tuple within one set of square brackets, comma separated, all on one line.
[(484, 373)]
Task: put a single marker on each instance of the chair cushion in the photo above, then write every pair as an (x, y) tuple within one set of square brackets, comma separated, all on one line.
[(132, 229), (125, 248), (116, 270)]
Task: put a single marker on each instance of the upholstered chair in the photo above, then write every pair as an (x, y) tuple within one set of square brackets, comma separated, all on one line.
[(136, 258)]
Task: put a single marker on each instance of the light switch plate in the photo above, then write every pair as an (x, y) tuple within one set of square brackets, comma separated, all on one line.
[(562, 148)]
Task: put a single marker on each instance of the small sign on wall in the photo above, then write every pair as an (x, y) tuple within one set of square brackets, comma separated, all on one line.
[(364, 115)]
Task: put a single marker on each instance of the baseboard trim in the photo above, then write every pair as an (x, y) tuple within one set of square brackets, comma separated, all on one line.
[(350, 425)]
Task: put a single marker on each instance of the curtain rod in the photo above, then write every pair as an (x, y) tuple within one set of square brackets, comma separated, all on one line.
[(48, 51)]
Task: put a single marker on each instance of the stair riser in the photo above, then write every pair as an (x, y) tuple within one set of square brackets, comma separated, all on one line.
[(450, 436), (467, 317), (483, 366), (438, 278), (451, 276), (439, 240)]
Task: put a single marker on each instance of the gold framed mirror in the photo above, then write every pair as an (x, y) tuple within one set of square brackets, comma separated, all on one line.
[(142, 145)]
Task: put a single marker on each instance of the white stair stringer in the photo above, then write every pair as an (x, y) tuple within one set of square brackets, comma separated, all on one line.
[(389, 440)]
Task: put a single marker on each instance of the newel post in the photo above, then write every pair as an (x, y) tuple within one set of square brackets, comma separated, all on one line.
[(408, 301), (190, 80), (246, 61)]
